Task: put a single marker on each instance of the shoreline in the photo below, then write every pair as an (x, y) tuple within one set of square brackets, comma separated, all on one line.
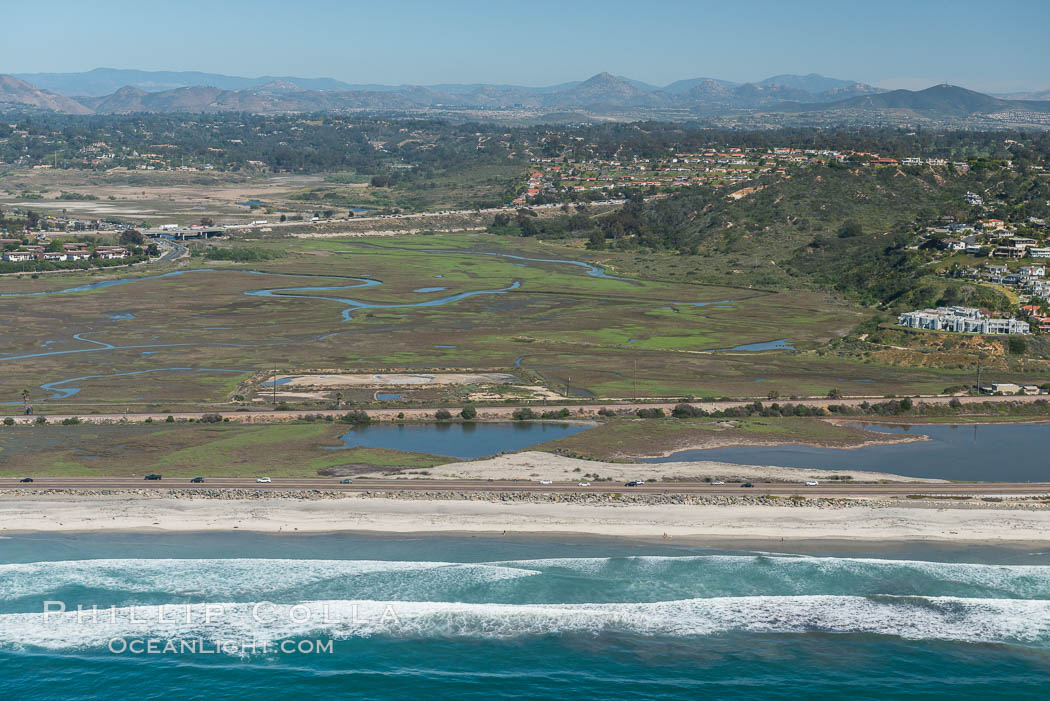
[(861, 523), (741, 442)]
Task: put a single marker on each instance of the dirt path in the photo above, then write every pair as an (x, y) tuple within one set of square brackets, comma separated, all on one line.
[(503, 412)]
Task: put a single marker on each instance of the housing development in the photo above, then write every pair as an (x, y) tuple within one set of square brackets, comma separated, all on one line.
[(962, 319)]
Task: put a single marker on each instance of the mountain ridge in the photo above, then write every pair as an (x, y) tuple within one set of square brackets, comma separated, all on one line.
[(602, 93)]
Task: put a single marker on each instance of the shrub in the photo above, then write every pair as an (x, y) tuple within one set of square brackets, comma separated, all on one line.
[(654, 413), (606, 412), (443, 415), (469, 413), (687, 411), (211, 418), (170, 419), (9, 421), (356, 417), (149, 419), (523, 414), (400, 414), (955, 403), (41, 420), (560, 414), (71, 421)]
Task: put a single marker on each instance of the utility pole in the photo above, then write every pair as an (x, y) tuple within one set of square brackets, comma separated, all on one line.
[(636, 379), (275, 383), (978, 374)]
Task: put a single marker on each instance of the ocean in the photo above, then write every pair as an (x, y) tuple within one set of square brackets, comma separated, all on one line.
[(253, 616)]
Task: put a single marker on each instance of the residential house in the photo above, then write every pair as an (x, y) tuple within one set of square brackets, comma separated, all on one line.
[(112, 252)]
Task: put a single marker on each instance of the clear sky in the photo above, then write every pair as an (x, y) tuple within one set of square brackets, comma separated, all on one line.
[(991, 46)]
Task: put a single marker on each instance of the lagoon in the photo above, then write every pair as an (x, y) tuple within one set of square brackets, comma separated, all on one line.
[(988, 452)]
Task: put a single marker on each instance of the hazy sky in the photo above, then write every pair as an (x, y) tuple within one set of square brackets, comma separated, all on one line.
[(991, 46)]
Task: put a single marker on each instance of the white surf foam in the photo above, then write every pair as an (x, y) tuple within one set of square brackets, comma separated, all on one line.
[(1019, 580), (225, 577), (914, 618)]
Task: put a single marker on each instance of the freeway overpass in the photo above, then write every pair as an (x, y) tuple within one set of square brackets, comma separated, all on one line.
[(181, 233)]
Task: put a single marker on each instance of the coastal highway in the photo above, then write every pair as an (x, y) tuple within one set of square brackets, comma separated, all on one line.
[(831, 489)]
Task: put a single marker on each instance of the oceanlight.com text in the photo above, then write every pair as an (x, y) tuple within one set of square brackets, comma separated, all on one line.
[(201, 646)]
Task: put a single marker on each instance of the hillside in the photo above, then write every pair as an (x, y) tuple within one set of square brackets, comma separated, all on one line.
[(792, 232), (939, 100), (15, 93)]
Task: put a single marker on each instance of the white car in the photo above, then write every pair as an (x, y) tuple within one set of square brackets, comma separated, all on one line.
[(546, 482), (812, 483), (263, 480), (718, 482), (584, 484)]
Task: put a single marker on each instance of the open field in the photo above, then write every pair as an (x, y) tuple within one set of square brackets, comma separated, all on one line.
[(624, 439), (209, 335), (156, 197), (188, 450)]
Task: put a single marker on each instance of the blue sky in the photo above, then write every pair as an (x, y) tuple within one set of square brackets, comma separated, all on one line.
[(991, 46)]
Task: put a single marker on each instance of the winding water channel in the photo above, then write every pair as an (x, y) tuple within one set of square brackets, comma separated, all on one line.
[(59, 391)]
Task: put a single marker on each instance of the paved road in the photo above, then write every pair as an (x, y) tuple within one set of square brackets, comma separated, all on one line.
[(760, 488)]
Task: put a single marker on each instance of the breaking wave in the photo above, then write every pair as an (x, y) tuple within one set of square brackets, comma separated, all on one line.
[(913, 618), (558, 580)]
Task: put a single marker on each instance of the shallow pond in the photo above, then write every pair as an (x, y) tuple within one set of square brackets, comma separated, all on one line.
[(459, 440)]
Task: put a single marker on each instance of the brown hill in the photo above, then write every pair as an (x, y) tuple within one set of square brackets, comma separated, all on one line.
[(18, 93)]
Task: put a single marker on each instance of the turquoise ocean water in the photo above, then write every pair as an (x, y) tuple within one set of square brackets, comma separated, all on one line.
[(493, 618)]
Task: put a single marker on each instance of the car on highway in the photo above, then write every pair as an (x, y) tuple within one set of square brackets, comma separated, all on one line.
[(634, 483), (263, 480), (584, 484), (812, 483), (26, 479), (718, 483), (747, 484), (546, 482), (346, 481), (197, 480), (152, 476)]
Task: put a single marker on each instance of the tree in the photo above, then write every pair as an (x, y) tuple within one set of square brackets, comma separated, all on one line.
[(443, 415), (469, 413), (207, 221), (131, 237), (834, 393)]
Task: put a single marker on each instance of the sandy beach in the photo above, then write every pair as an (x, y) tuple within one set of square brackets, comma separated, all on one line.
[(877, 522), (531, 464)]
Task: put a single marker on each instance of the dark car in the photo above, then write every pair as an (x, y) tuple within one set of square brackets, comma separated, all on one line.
[(152, 476), (634, 483), (197, 480), (747, 484), (346, 481), (26, 479)]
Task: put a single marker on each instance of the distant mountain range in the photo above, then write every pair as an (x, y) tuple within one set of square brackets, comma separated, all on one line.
[(111, 91)]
